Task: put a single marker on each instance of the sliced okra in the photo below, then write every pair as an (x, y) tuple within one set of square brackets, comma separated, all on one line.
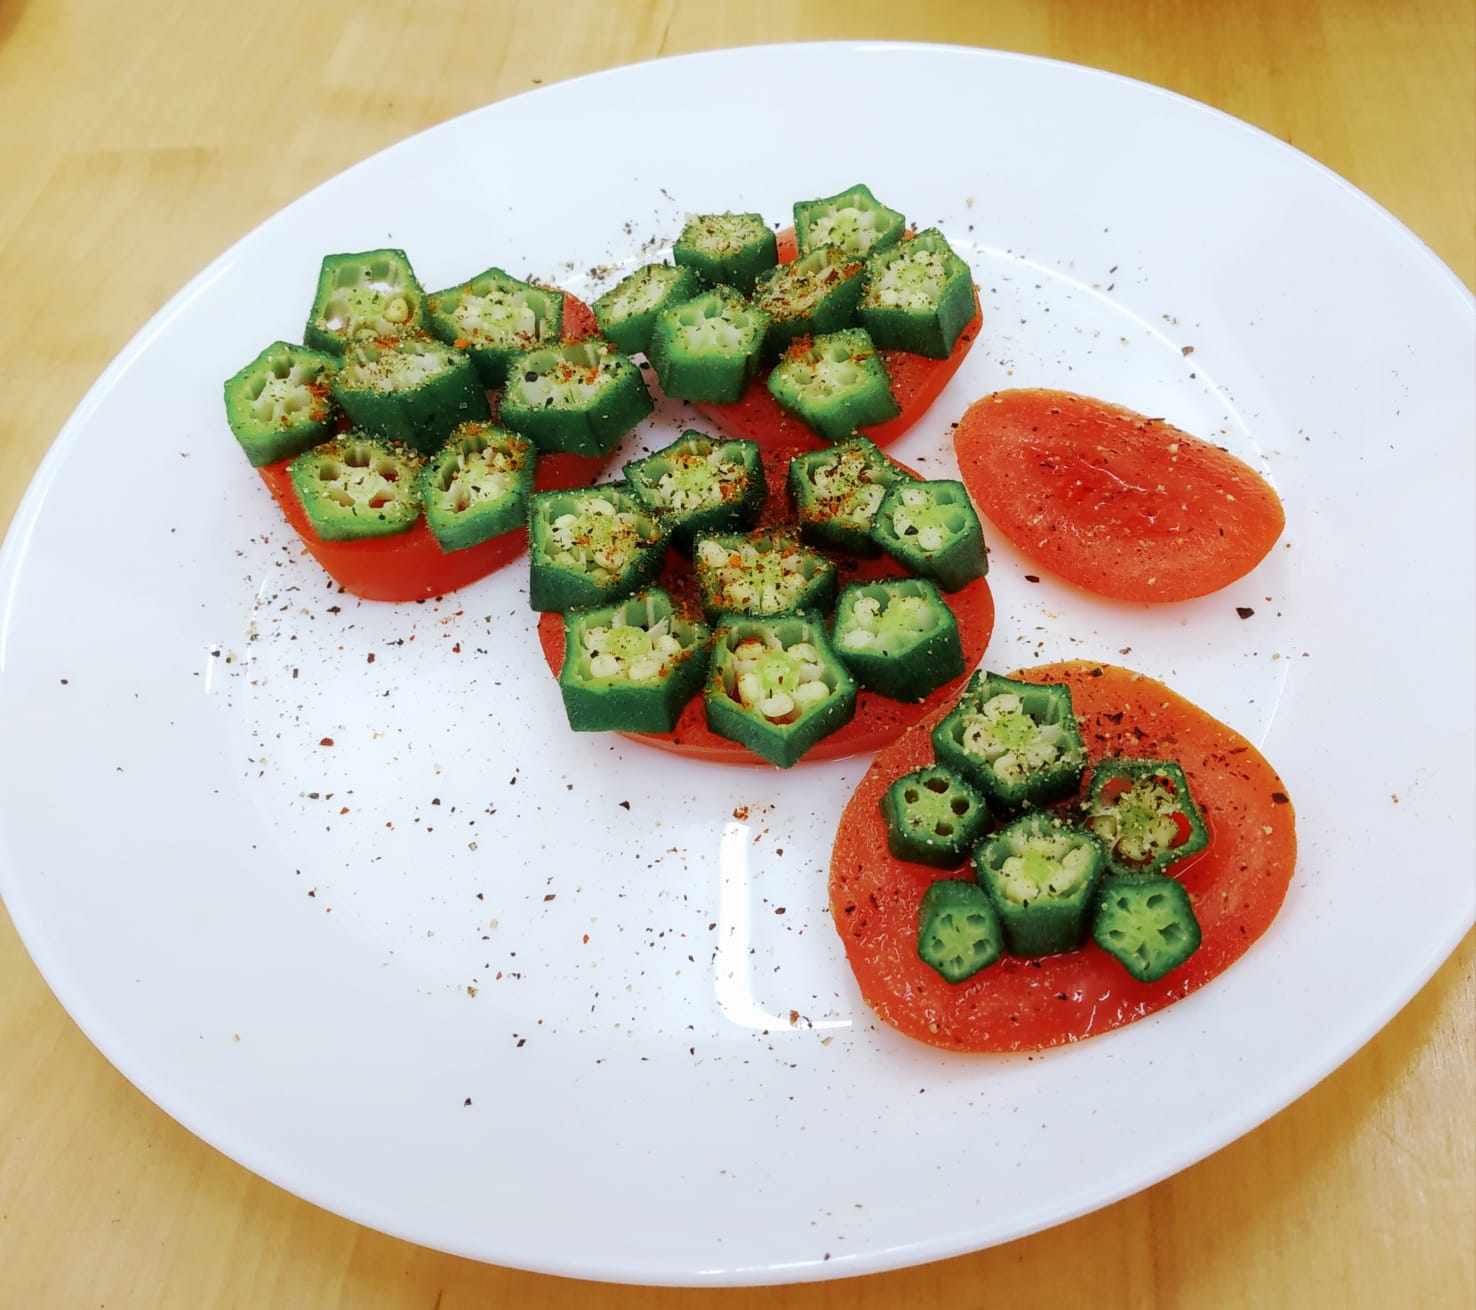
[(776, 686), (761, 573), (932, 527), (933, 817), (357, 486), (631, 666), (837, 491), (1041, 873), (1147, 924), (1143, 813), (281, 403), (590, 546), (811, 295), (898, 637), (727, 249), (1016, 741), (700, 484), (918, 296), (854, 219), (958, 931), (708, 348), (578, 397), (367, 294), (412, 389), (476, 486), (493, 317), (834, 384), (627, 313)]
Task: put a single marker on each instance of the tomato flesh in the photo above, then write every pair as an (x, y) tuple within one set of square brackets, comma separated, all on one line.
[(1114, 502), (1237, 884), (916, 382), (877, 720)]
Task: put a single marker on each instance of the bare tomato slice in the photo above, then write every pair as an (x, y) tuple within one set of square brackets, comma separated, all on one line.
[(1117, 503)]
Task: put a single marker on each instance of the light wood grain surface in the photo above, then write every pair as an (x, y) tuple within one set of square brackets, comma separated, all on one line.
[(140, 140)]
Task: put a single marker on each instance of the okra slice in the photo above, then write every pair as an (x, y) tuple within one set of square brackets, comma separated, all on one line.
[(1144, 814), (356, 486), (1147, 924), (493, 317), (700, 484), (1016, 741), (958, 931), (932, 527), (579, 397), (837, 491), (708, 348), (631, 666), (590, 546), (762, 573), (371, 293), (727, 249), (918, 295), (855, 220), (476, 486), (627, 313), (776, 687), (1041, 873), (281, 403), (898, 637), (834, 384), (933, 817), (412, 389), (811, 295)]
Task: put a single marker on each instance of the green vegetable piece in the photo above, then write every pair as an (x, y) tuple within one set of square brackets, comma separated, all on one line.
[(834, 384), (837, 491), (1146, 923), (918, 296), (373, 293), (410, 389), (898, 637), (357, 486), (727, 249), (281, 403), (627, 313), (933, 529), (493, 317), (590, 546), (958, 931), (1042, 874), (855, 220), (776, 687), (1143, 813), (709, 348), (579, 397), (811, 295), (763, 573), (933, 817), (631, 666), (1016, 741), (700, 484), (477, 485)]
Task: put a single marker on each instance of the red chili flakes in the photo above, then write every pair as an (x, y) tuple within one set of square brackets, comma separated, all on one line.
[(326, 741)]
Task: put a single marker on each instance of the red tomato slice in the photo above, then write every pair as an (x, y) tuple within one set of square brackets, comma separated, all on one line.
[(917, 382), (1237, 885), (411, 565), (877, 719), (1119, 504)]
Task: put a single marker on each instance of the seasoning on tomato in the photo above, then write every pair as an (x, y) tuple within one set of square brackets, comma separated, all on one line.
[(1112, 501)]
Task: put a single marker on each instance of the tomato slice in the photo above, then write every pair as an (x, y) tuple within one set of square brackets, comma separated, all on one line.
[(1237, 885), (916, 381), (1119, 504), (877, 719), (411, 565)]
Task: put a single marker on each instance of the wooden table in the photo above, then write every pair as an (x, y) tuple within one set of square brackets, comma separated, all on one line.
[(141, 140)]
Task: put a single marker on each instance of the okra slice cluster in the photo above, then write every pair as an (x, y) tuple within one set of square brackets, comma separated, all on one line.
[(836, 493), (627, 313), (1060, 868)]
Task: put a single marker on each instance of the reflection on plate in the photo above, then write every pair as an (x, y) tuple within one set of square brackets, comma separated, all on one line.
[(339, 891)]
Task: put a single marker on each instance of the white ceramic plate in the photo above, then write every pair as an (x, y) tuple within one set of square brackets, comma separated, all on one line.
[(570, 1005)]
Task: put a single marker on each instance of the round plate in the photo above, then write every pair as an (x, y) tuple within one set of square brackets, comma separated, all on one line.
[(333, 884)]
